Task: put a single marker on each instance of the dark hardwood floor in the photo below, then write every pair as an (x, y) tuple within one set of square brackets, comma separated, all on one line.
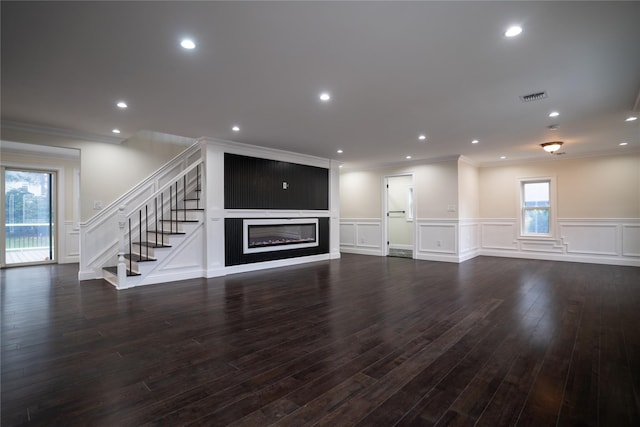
[(363, 340)]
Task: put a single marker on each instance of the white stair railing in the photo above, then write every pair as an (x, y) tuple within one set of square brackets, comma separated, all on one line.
[(100, 237)]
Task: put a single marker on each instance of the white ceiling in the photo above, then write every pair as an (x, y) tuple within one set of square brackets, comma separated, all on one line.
[(394, 69)]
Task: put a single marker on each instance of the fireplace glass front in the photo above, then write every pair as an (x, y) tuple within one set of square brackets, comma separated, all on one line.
[(264, 235)]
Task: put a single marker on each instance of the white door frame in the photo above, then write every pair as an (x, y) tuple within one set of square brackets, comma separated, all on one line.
[(385, 218), (57, 199)]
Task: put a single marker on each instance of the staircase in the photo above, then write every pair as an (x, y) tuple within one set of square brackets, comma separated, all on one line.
[(158, 228), (152, 233)]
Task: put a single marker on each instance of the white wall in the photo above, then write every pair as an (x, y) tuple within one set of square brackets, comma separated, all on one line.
[(597, 211), (109, 170), (436, 204)]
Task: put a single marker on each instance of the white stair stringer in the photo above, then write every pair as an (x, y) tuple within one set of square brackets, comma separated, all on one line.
[(184, 259)]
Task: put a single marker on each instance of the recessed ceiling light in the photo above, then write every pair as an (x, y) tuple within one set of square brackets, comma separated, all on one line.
[(340, 151), (631, 119), (116, 131), (513, 31), (554, 114), (235, 129), (422, 137), (188, 44), (340, 166), (623, 143), (475, 141), (325, 96), (408, 157), (122, 104), (503, 157)]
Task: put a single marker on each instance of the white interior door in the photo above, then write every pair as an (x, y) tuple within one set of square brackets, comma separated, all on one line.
[(399, 213)]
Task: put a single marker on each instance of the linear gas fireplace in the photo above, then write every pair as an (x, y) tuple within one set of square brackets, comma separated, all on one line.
[(267, 235)]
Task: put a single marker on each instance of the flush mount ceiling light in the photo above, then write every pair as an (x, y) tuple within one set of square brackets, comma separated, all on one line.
[(503, 157), (324, 96), (116, 131), (122, 104), (554, 114), (236, 128), (339, 151), (408, 157), (187, 44), (513, 31), (623, 143), (422, 137), (551, 147), (475, 141), (631, 119)]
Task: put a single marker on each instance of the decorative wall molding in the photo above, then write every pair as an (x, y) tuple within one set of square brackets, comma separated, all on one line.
[(613, 241), (591, 240), (65, 133), (69, 250), (361, 236)]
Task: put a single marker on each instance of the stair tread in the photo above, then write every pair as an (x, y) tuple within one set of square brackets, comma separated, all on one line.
[(187, 209), (166, 232), (114, 270), (152, 244), (180, 220), (139, 258)]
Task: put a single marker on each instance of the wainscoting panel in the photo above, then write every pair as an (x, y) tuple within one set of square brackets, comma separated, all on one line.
[(469, 232), (631, 240), (499, 234), (361, 236), (70, 248), (590, 238), (440, 238)]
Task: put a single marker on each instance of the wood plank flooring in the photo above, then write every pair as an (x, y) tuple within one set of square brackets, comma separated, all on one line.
[(366, 341)]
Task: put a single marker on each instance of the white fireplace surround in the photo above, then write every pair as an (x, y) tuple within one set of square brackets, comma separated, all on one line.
[(247, 223)]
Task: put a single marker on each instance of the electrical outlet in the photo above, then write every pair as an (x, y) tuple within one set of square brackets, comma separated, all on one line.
[(451, 208)]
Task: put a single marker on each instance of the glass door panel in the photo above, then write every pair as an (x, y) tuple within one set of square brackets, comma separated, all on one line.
[(29, 234)]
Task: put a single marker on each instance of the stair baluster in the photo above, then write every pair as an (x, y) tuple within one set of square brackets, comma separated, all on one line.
[(146, 235), (161, 219), (184, 194), (140, 229), (198, 187), (130, 247)]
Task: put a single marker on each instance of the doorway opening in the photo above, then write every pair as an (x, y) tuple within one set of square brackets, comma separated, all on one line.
[(399, 215), (28, 208)]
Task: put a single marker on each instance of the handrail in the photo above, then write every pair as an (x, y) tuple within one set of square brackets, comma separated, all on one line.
[(120, 200), (165, 186)]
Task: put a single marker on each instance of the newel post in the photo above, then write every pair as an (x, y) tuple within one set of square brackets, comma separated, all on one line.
[(122, 265)]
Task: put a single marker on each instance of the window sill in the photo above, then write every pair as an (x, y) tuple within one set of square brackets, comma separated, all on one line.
[(545, 237)]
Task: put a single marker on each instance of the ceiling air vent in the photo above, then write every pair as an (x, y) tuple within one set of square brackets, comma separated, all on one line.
[(533, 96)]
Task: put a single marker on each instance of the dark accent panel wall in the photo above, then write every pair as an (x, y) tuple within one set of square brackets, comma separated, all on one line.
[(233, 245), (253, 183)]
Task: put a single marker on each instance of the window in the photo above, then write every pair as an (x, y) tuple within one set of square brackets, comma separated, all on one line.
[(536, 207)]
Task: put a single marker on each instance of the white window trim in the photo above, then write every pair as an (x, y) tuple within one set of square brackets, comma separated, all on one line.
[(553, 207)]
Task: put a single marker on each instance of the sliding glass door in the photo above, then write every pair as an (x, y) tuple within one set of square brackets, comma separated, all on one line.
[(29, 217)]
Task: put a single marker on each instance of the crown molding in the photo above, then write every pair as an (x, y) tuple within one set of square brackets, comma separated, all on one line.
[(45, 151), (65, 133), (401, 164)]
